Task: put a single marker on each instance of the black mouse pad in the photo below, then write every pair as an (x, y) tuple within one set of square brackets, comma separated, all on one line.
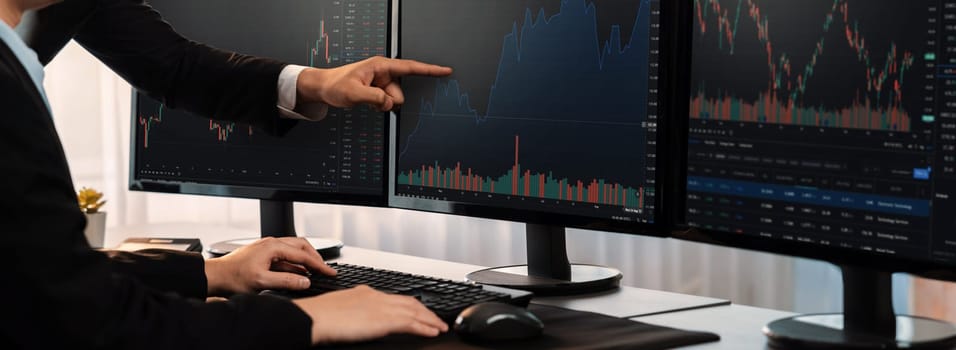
[(563, 329)]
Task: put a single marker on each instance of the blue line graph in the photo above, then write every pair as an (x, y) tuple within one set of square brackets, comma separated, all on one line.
[(557, 69)]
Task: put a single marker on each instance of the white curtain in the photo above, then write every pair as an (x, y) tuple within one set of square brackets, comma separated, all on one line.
[(91, 106)]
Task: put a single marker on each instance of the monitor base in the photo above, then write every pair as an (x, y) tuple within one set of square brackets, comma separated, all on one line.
[(584, 279), (327, 248), (826, 331)]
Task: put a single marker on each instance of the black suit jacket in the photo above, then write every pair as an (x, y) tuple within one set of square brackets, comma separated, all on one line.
[(60, 293)]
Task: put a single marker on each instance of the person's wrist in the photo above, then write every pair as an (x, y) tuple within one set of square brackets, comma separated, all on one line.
[(215, 285), (308, 86), (304, 305)]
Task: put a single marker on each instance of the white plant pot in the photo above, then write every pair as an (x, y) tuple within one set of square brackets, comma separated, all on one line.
[(95, 229)]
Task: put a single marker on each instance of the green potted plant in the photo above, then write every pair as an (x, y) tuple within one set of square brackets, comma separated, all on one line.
[(90, 202)]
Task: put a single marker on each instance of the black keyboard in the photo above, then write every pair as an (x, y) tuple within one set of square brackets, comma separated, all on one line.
[(446, 298)]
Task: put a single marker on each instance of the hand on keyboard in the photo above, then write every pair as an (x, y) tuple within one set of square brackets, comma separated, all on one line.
[(444, 297), (362, 313), (265, 264)]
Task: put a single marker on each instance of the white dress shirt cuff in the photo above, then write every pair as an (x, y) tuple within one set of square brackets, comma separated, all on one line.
[(288, 108)]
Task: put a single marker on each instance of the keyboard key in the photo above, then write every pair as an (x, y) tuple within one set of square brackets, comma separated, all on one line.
[(446, 297)]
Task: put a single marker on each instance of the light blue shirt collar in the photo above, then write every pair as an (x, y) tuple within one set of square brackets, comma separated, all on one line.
[(28, 58)]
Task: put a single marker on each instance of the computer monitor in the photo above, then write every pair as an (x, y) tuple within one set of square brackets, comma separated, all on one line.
[(550, 118), (340, 159), (826, 129)]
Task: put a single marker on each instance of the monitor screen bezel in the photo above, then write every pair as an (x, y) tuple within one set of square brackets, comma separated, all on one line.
[(682, 230), (262, 192), (662, 219)]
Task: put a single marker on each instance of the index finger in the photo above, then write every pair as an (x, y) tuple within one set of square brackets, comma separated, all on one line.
[(313, 260), (401, 67)]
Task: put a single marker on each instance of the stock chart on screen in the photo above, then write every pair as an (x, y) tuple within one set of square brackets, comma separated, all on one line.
[(343, 153), (828, 122), (552, 105)]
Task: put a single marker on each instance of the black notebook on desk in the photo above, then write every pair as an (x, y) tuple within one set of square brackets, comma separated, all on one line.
[(563, 329)]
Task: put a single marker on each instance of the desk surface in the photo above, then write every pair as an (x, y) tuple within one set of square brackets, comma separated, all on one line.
[(624, 302), (738, 326)]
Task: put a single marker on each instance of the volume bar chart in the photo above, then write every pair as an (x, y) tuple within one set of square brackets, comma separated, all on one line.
[(524, 182), (769, 109)]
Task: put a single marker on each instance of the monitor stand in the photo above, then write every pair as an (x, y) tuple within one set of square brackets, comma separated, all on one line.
[(868, 321), (548, 271), (277, 219)]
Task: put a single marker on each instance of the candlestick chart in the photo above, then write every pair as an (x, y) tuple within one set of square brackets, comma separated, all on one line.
[(343, 151), (824, 122), (827, 63)]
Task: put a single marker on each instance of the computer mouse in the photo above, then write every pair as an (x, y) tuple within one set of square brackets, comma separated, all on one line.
[(493, 321)]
